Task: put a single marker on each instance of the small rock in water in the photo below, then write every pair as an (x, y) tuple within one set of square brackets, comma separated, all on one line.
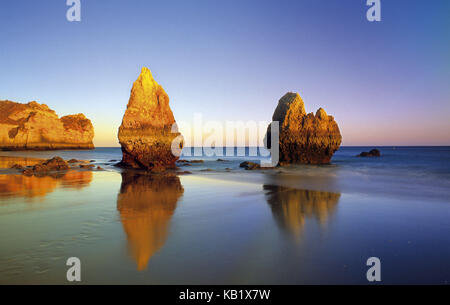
[(73, 161), (250, 165), (87, 166), (373, 153)]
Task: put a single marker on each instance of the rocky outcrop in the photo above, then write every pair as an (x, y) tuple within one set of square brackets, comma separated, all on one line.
[(35, 126), (373, 153), (304, 138), (146, 132), (45, 167)]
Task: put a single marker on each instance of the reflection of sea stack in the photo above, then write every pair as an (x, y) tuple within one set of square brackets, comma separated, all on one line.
[(31, 186), (145, 133), (35, 126), (146, 204), (304, 138), (291, 206)]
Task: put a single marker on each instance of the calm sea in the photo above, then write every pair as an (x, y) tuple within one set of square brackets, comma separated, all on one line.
[(224, 225)]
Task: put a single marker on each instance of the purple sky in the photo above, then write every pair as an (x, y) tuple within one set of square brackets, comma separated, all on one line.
[(386, 83)]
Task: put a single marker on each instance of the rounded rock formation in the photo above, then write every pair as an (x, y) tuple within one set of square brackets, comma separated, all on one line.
[(147, 130), (304, 138)]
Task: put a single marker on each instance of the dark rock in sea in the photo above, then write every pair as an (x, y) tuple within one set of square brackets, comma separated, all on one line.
[(196, 161), (87, 166), (185, 173), (221, 160), (92, 161), (250, 165), (304, 138), (73, 161), (373, 153)]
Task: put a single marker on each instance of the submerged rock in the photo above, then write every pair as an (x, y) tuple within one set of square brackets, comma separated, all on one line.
[(35, 126), (146, 131), (17, 166), (304, 138), (373, 153), (87, 166), (250, 165)]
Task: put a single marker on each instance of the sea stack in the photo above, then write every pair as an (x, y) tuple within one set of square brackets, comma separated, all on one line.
[(304, 138), (148, 131), (35, 126)]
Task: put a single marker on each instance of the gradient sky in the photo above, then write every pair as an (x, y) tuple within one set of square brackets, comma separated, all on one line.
[(386, 83)]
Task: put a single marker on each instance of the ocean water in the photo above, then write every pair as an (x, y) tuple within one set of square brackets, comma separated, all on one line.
[(224, 225)]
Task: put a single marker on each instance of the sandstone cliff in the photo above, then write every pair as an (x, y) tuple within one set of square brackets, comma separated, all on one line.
[(146, 131), (304, 138), (35, 126)]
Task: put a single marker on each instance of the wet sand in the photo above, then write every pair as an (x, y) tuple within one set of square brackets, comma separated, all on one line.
[(216, 227)]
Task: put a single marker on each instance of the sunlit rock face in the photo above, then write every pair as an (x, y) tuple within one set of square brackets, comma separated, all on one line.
[(290, 207), (146, 204), (35, 126), (146, 131), (304, 138)]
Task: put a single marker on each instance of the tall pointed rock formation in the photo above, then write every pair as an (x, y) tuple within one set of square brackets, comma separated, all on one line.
[(146, 134)]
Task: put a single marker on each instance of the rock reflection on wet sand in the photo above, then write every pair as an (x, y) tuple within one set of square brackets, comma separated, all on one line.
[(8, 162), (290, 207), (146, 204), (18, 185)]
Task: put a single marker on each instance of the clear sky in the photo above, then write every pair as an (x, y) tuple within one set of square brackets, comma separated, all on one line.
[(386, 83)]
